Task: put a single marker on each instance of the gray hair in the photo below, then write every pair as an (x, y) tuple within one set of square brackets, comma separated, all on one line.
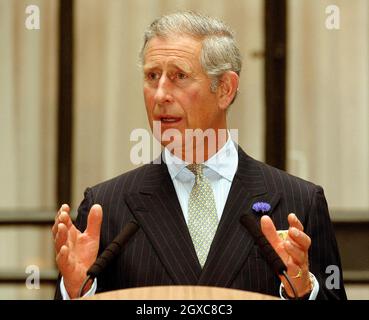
[(219, 52)]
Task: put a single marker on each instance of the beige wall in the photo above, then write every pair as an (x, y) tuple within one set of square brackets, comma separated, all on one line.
[(28, 83), (328, 100), (28, 78)]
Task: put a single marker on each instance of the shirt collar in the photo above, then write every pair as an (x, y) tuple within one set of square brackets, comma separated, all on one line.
[(223, 163)]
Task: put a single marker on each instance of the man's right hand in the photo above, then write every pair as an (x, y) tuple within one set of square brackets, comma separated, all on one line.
[(76, 251)]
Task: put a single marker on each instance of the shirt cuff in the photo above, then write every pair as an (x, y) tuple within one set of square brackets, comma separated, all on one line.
[(89, 293), (314, 291)]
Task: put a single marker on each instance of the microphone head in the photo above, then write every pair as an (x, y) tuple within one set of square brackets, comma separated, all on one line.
[(250, 223)]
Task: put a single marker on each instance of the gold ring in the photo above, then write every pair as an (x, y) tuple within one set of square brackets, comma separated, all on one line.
[(298, 275)]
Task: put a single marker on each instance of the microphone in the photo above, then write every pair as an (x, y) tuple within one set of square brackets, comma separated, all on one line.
[(113, 249), (110, 252), (250, 223)]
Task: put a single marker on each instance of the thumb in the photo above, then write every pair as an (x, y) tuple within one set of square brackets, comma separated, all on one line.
[(269, 231), (94, 221)]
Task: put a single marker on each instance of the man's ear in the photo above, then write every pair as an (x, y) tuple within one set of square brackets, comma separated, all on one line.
[(227, 89)]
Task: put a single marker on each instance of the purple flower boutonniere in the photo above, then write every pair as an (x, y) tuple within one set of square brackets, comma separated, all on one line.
[(261, 207)]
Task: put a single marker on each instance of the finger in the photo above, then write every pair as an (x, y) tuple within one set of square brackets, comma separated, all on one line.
[(54, 229), (292, 267), (65, 219), (64, 261), (94, 221), (298, 256), (269, 230), (293, 270), (295, 222), (63, 208), (61, 237), (299, 238)]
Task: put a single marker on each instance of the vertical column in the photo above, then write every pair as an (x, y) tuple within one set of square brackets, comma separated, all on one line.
[(65, 102), (275, 82)]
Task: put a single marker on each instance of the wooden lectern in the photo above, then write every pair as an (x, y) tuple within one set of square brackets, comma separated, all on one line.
[(180, 293)]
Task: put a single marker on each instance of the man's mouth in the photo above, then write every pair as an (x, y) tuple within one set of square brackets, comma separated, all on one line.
[(169, 119)]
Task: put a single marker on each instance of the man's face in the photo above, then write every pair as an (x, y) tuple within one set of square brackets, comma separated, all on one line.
[(176, 89)]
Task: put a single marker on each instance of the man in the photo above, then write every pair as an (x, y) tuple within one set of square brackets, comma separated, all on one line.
[(189, 205)]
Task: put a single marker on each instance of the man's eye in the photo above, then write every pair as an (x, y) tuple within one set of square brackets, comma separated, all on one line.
[(181, 76), (152, 76)]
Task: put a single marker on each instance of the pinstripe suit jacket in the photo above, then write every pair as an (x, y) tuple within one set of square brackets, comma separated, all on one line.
[(162, 253)]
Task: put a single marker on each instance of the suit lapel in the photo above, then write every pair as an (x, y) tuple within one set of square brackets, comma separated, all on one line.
[(158, 212), (232, 243)]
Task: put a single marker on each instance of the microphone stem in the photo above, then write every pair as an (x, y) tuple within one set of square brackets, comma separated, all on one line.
[(290, 284), (83, 286)]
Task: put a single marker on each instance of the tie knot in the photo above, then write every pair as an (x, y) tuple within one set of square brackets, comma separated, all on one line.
[(196, 169)]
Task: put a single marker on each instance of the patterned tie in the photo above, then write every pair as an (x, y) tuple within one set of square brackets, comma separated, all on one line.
[(203, 219)]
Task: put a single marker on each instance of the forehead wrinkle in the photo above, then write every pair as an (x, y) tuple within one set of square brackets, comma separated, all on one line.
[(182, 63), (160, 53), (172, 51), (184, 55), (170, 63), (174, 48), (186, 51)]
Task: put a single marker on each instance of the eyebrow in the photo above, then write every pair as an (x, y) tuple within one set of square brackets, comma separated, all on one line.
[(150, 66), (171, 64)]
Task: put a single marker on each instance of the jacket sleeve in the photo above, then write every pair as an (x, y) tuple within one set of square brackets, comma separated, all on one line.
[(324, 257)]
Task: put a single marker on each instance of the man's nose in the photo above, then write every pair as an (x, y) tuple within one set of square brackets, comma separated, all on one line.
[(163, 91)]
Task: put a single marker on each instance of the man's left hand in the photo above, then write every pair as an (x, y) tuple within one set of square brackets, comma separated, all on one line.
[(293, 252)]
